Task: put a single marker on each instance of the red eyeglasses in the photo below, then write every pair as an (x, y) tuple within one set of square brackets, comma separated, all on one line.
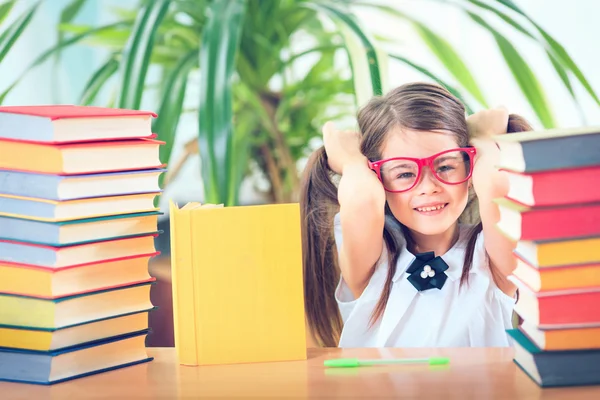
[(400, 174)]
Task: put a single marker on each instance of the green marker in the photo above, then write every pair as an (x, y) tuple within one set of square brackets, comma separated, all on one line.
[(355, 362)]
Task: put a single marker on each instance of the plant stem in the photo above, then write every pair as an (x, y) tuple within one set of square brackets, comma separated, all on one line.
[(270, 103), (273, 173)]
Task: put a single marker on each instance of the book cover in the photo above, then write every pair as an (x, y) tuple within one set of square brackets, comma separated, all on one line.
[(558, 278), (51, 283), (79, 231), (80, 158), (73, 123), (19, 310), (556, 187), (559, 252), (58, 211), (566, 308), (555, 368), (562, 338), (237, 284), (556, 149), (76, 255), (520, 222), (72, 187), (49, 367)]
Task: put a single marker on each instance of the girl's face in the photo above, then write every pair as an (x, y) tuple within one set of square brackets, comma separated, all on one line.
[(430, 207)]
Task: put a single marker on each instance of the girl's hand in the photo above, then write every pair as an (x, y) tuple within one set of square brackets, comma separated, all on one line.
[(342, 148), (483, 125), (487, 123)]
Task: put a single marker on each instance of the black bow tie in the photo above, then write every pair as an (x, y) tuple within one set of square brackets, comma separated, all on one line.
[(427, 271)]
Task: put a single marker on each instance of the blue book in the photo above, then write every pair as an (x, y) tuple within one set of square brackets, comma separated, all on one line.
[(68, 233), (49, 367), (80, 254), (69, 210), (556, 367), (58, 187)]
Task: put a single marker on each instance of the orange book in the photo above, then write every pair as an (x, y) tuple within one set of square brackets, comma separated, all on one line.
[(557, 253), (563, 339), (50, 283), (80, 158), (556, 278)]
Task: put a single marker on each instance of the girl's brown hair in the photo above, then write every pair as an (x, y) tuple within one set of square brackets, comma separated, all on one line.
[(415, 106)]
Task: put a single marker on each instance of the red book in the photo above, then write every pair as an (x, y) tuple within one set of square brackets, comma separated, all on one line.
[(520, 222), (559, 308), (72, 124), (559, 187)]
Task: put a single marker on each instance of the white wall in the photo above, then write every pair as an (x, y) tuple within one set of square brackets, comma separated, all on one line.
[(574, 24)]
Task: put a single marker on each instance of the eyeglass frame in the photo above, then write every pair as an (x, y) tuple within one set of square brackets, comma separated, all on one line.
[(424, 162)]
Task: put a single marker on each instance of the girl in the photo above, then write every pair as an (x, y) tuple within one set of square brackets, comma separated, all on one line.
[(395, 267)]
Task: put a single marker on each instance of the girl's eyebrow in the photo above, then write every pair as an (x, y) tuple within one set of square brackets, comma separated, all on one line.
[(409, 166), (442, 159)]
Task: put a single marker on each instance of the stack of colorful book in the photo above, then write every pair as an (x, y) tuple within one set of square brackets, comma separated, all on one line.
[(552, 210), (77, 230)]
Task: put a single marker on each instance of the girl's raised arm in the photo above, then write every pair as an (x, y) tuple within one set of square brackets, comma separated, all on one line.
[(490, 183), (362, 204)]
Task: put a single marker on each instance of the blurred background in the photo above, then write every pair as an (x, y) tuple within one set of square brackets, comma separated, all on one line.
[(242, 87)]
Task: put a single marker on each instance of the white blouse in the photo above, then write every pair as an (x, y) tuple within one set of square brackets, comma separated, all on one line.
[(474, 315)]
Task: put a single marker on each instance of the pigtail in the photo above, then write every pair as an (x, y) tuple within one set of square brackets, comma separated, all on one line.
[(318, 205)]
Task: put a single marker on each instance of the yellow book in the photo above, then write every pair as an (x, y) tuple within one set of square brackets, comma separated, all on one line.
[(46, 339), (40, 313), (237, 284)]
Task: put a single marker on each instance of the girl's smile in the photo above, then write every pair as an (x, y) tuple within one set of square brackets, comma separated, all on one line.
[(431, 208)]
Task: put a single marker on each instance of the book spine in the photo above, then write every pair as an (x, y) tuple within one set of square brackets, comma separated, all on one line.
[(573, 188), (570, 309), (37, 371), (182, 278), (561, 153), (25, 127), (561, 223), (26, 208), (29, 185), (23, 254), (29, 231)]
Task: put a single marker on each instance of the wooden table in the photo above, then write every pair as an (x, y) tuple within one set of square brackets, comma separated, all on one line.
[(473, 373)]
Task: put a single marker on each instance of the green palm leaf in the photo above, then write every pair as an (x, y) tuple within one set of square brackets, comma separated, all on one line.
[(58, 47), (5, 9), (137, 52), (524, 76), (559, 51), (97, 81), (14, 30), (165, 126), (442, 49), (451, 60), (437, 79), (507, 18), (365, 59), (220, 42)]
